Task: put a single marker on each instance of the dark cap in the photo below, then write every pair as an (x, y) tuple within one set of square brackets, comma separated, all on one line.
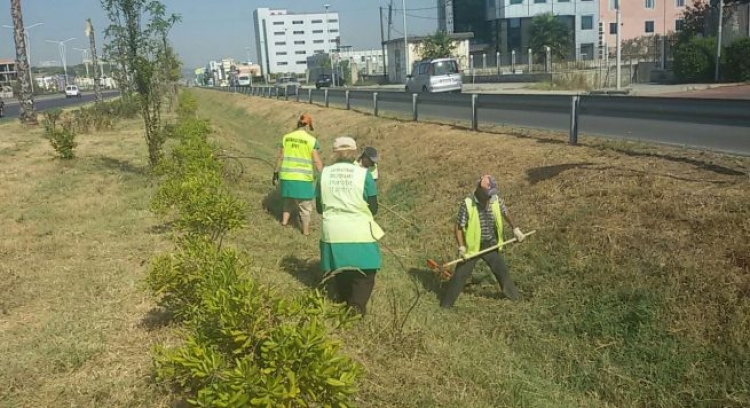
[(370, 153)]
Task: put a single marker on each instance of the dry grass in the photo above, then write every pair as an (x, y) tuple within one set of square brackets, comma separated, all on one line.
[(73, 327), (636, 286)]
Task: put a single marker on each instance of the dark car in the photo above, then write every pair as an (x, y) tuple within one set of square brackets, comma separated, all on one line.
[(326, 81)]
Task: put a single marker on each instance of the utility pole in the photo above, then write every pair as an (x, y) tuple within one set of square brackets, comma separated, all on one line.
[(94, 60), (619, 46), (328, 41), (406, 43), (718, 40), (382, 42)]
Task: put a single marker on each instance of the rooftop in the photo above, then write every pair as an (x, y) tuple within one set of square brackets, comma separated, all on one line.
[(454, 36)]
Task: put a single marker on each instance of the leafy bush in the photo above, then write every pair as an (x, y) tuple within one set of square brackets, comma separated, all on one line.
[(738, 60), (187, 105), (61, 137), (694, 60), (245, 345)]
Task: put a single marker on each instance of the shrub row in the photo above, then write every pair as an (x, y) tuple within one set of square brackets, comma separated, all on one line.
[(61, 128), (242, 343), (695, 60)]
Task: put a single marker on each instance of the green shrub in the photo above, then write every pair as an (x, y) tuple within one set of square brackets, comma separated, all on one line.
[(738, 60), (694, 60), (187, 105), (61, 137)]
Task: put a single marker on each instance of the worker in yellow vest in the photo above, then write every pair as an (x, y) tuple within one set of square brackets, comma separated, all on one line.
[(369, 160), (296, 162), (347, 197), (480, 226)]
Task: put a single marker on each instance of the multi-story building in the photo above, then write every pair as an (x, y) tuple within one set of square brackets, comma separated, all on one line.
[(284, 40), (512, 23), (641, 17), (466, 16)]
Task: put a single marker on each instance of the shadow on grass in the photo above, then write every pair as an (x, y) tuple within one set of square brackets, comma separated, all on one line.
[(120, 165), (538, 174), (429, 281), (272, 203), (161, 228), (715, 168), (156, 319), (305, 271)]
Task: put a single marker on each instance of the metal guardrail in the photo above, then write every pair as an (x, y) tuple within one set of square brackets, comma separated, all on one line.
[(562, 112)]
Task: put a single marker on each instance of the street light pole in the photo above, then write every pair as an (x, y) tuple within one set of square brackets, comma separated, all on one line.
[(328, 43), (619, 46), (28, 48), (406, 43), (63, 57), (718, 40)]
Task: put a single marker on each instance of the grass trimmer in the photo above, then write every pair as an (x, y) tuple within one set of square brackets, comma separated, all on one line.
[(444, 270)]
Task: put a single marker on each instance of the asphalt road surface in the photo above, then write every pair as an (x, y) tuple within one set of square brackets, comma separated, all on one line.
[(672, 128), (55, 102)]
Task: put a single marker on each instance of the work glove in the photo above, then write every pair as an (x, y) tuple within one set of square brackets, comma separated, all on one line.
[(462, 252), (518, 234), (275, 179)]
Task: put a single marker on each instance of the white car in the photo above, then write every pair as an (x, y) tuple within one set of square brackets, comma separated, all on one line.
[(72, 91)]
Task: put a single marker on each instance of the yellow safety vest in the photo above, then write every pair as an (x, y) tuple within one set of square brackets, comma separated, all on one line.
[(473, 230), (297, 163), (346, 215)]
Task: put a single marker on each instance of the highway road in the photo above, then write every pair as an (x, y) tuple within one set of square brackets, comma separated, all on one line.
[(710, 124), (54, 102)]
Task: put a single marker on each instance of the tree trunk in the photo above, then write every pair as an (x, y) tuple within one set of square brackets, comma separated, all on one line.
[(95, 60), (25, 95)]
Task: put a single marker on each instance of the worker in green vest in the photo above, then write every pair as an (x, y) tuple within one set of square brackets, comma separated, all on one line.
[(347, 197), (369, 160), (296, 162), (480, 226)]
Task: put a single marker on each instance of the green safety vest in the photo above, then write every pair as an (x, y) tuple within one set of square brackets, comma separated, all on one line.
[(346, 215), (473, 230), (373, 170), (297, 164)]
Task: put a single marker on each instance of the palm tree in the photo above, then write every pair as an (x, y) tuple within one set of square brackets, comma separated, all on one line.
[(25, 95), (548, 31)]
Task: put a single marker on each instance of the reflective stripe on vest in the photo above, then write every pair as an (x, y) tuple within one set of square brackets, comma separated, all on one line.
[(473, 230), (346, 215), (297, 163)]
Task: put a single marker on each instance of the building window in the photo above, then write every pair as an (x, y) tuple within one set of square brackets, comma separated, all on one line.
[(613, 28), (649, 26), (516, 1), (613, 4), (333, 31), (281, 63), (301, 42), (317, 31), (317, 21), (301, 62), (679, 24), (563, 1), (299, 52), (281, 53), (319, 51), (278, 23), (298, 22), (587, 22), (540, 1), (650, 4), (680, 3), (318, 42), (280, 43), (333, 20), (278, 33), (298, 32)]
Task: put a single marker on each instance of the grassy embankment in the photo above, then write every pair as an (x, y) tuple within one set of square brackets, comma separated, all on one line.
[(636, 287)]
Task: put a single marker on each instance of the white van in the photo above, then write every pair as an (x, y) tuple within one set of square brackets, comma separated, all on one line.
[(243, 80), (72, 91), (437, 75)]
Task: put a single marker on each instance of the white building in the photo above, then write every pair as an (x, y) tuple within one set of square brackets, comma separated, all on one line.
[(395, 53), (284, 40), (369, 62)]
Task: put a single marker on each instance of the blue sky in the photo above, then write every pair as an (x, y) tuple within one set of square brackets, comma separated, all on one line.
[(210, 29)]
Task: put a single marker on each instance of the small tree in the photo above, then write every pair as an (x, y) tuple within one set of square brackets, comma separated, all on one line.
[(548, 31), (438, 45), (738, 60), (694, 60)]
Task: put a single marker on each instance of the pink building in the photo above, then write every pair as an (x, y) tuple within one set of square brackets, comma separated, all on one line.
[(641, 17)]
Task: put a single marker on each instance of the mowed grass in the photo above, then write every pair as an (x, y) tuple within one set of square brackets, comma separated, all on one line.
[(636, 287), (74, 326)]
